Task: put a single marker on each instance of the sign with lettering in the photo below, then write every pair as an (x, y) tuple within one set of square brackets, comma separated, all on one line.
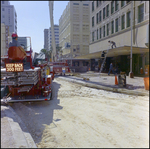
[(14, 67)]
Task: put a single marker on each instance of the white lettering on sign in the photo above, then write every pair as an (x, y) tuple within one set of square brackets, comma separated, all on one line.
[(14, 67)]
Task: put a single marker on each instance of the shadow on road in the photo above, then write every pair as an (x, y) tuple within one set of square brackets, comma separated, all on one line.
[(39, 115)]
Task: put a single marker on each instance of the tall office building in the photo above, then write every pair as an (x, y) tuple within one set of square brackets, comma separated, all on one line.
[(74, 28), (25, 43), (56, 32), (5, 39), (48, 37), (9, 16)]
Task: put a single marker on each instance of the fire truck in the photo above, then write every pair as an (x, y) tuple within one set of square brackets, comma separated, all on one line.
[(21, 80), (61, 68)]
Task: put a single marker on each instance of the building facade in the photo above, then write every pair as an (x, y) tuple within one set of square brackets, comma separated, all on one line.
[(74, 29), (56, 32), (5, 39), (23, 41), (9, 16), (48, 37), (115, 21)]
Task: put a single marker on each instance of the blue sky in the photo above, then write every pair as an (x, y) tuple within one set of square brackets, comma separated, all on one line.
[(33, 17)]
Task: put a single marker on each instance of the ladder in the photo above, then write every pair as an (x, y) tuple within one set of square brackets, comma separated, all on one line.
[(102, 66)]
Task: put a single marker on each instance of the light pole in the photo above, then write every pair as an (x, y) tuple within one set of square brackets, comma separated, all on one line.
[(131, 73)]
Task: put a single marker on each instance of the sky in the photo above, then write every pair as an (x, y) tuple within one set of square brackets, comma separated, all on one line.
[(33, 17)]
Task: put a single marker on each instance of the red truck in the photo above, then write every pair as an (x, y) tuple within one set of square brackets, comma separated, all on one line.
[(60, 68)]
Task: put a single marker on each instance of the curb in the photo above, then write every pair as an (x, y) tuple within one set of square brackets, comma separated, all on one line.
[(113, 89), (20, 134)]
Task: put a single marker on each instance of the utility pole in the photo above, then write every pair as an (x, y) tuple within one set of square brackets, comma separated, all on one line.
[(51, 3), (131, 73)]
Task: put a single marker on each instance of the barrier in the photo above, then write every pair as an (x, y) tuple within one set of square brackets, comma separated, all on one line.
[(146, 83), (116, 81)]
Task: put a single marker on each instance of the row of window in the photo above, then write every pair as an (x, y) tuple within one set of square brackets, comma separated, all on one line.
[(78, 4), (99, 14), (55, 38), (114, 4), (105, 11), (110, 26)]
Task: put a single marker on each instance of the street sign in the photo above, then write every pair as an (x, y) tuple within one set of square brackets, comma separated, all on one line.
[(14, 67)]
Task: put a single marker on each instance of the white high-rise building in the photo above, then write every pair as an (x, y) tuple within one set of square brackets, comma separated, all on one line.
[(74, 25), (9, 16), (56, 32), (48, 37)]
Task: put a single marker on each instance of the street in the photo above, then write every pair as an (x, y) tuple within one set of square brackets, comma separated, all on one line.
[(79, 116)]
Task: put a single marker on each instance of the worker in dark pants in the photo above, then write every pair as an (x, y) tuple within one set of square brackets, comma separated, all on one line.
[(103, 55), (111, 69), (112, 44)]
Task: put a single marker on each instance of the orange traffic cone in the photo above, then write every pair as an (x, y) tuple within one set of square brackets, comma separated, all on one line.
[(116, 81)]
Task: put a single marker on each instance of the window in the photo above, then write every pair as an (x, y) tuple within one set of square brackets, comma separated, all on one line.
[(107, 10), (2, 2), (75, 3), (92, 21), (127, 2), (116, 5), (128, 18), (107, 29), (93, 6), (97, 17), (112, 7), (92, 36), (3, 9), (112, 27), (117, 25), (104, 31), (3, 16), (86, 4), (100, 16), (141, 13), (123, 22), (97, 34), (100, 33), (122, 3), (104, 13), (97, 2)]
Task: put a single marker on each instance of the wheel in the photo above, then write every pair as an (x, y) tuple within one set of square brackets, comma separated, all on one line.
[(51, 96)]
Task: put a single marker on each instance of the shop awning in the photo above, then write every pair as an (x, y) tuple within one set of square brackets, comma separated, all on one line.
[(123, 50)]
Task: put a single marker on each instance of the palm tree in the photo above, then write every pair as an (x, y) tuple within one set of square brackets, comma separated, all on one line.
[(47, 53)]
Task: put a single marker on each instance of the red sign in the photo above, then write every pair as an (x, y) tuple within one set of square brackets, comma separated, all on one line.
[(14, 67)]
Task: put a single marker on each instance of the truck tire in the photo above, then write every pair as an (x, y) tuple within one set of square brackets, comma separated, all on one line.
[(51, 96)]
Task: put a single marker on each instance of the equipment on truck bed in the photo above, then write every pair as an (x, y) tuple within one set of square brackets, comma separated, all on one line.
[(24, 81)]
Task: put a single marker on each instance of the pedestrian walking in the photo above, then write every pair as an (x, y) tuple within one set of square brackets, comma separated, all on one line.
[(112, 44), (111, 69)]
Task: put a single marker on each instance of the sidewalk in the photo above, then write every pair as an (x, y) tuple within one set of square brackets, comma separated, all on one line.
[(134, 86), (14, 133)]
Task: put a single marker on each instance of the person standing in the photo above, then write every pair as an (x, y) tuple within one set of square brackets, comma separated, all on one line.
[(111, 69)]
